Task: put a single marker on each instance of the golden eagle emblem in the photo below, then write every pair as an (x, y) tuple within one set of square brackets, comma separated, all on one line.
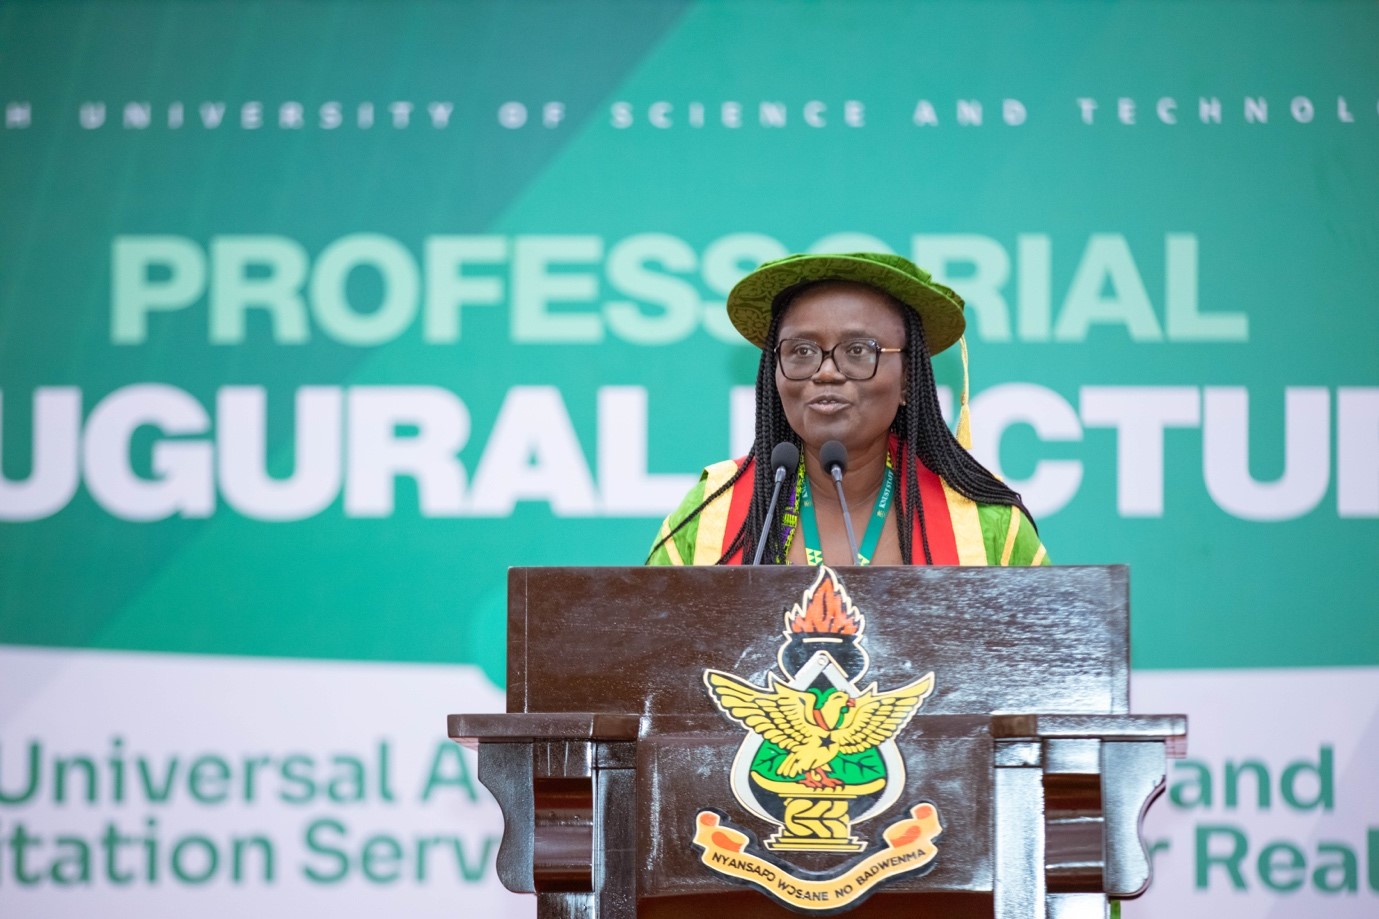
[(816, 725)]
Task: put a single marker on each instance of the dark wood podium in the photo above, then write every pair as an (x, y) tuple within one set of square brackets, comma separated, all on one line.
[(613, 744)]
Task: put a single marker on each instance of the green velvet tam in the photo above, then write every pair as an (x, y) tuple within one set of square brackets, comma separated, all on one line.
[(940, 309)]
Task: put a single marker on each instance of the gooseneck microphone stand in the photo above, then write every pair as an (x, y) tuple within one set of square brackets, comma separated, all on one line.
[(784, 458), (834, 456)]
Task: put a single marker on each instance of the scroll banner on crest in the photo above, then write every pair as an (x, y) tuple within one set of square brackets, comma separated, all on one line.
[(315, 318), (909, 847)]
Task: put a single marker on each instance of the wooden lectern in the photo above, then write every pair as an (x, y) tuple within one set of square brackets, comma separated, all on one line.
[(614, 748)]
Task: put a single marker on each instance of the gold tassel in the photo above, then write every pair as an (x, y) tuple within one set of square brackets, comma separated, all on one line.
[(964, 433)]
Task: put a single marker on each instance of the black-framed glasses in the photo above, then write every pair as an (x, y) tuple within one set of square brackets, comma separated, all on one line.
[(856, 359)]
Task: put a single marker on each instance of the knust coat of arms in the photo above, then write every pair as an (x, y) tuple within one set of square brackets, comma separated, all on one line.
[(819, 757)]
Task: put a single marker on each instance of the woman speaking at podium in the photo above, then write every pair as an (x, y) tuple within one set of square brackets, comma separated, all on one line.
[(848, 417)]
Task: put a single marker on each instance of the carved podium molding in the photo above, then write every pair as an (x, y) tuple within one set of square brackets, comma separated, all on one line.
[(1021, 761)]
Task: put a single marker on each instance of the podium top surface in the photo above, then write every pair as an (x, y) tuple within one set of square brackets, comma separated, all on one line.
[(637, 640)]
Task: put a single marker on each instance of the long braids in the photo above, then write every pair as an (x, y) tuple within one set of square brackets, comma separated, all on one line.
[(920, 426), (772, 428)]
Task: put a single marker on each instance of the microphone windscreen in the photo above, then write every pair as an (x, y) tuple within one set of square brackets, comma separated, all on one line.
[(834, 454), (785, 456)]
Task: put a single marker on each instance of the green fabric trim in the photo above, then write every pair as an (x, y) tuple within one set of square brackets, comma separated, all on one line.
[(995, 521), (688, 535), (1028, 544)]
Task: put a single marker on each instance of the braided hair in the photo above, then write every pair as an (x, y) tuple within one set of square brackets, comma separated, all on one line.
[(918, 423)]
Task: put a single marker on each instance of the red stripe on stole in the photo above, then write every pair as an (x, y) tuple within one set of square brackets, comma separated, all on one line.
[(737, 511), (943, 544), (938, 522)]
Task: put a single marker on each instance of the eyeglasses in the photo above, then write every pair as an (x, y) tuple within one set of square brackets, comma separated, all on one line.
[(800, 358)]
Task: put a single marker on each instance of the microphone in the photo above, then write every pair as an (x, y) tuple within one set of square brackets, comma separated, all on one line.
[(834, 456), (784, 459)]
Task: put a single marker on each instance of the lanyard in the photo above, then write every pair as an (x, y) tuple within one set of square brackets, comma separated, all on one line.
[(813, 545)]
